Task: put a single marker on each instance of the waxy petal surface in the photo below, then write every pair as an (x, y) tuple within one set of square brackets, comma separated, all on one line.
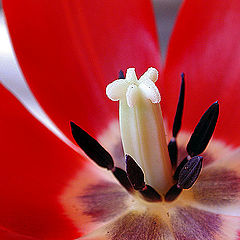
[(36, 168), (69, 51), (205, 46)]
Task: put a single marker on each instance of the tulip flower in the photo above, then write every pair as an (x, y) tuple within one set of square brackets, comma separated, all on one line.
[(69, 51)]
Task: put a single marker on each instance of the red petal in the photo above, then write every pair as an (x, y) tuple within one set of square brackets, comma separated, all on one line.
[(70, 50), (205, 45), (5, 234), (35, 169)]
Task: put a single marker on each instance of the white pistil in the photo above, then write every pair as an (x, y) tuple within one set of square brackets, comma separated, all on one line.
[(141, 125)]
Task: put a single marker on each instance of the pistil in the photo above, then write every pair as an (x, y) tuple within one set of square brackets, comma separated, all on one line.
[(141, 125)]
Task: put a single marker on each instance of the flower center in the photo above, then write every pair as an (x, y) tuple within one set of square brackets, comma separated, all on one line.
[(151, 164), (143, 136)]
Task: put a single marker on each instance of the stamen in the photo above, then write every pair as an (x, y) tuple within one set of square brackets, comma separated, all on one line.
[(91, 147), (135, 173), (179, 168), (172, 146), (122, 177), (136, 177), (121, 75), (201, 135), (203, 131), (178, 117), (173, 193), (150, 194), (190, 172), (99, 155), (173, 152)]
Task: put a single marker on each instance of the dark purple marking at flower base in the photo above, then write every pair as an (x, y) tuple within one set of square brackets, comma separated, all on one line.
[(217, 187), (103, 201), (190, 223), (137, 226)]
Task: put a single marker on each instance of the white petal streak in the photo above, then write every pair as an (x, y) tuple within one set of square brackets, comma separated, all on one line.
[(12, 78)]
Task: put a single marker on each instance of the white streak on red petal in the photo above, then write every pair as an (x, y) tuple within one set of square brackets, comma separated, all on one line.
[(12, 78)]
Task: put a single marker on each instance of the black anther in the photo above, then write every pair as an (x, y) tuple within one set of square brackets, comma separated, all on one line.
[(121, 176), (179, 168), (173, 193), (91, 147), (172, 146), (150, 194), (190, 172), (173, 152), (178, 117), (135, 173), (121, 75), (203, 131)]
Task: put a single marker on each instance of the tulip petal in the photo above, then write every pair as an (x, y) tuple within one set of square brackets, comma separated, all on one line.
[(134, 225), (12, 78), (5, 234), (69, 51), (205, 46), (191, 223), (96, 200), (218, 187), (36, 169)]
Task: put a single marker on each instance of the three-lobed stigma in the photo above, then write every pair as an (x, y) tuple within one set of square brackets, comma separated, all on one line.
[(131, 88)]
